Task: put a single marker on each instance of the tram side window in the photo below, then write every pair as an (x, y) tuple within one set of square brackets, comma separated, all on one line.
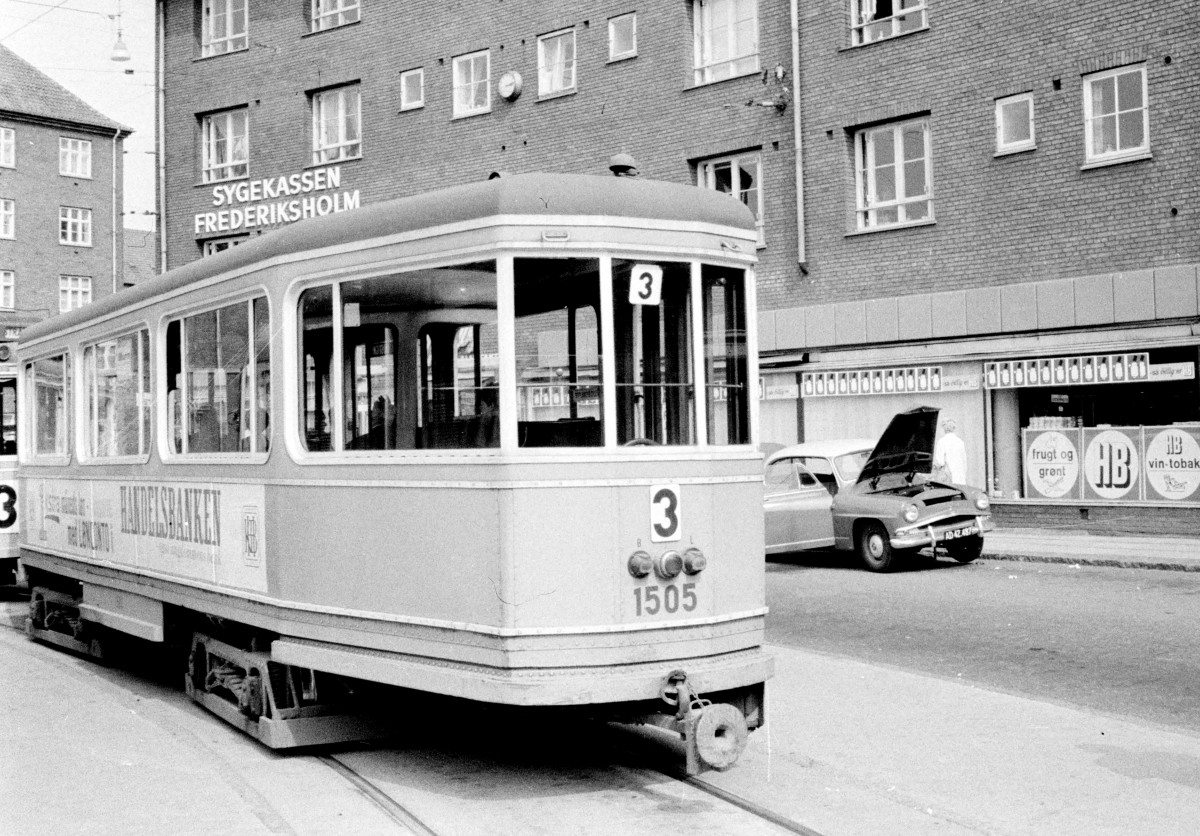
[(655, 380), (725, 355), (559, 386), (47, 380), (117, 391), (8, 417), (460, 398), (219, 380)]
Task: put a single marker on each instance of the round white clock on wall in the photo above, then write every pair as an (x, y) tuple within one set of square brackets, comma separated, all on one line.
[(509, 85)]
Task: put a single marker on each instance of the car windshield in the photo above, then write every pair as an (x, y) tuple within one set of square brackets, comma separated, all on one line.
[(851, 464)]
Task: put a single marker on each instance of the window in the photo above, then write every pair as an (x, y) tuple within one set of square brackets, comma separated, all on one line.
[(726, 39), (337, 125), (1014, 124), (892, 173), (622, 37), (326, 14), (116, 380), (226, 151), (74, 226), (223, 28), (8, 218), (556, 63), (47, 380), (875, 20), (8, 148), (726, 372), (218, 245), (218, 380), (740, 177), (74, 292), (8, 417), (1116, 119), (74, 157), (412, 89), (472, 84), (8, 289)]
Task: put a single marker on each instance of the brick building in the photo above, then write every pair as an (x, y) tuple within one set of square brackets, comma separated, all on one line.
[(997, 213)]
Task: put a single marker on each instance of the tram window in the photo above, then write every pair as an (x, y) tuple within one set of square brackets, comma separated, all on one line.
[(117, 392), (725, 355), (655, 381), (8, 417), (559, 397), (218, 380), (459, 398), (47, 380), (316, 352)]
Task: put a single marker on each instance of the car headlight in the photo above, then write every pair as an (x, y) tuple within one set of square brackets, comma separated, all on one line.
[(909, 512), (982, 502)]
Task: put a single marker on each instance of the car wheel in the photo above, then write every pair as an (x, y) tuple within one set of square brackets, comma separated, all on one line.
[(874, 547), (966, 550)]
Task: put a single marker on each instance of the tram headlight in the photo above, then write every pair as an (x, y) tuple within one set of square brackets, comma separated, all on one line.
[(694, 561), (640, 564), (668, 565), (982, 502), (909, 512)]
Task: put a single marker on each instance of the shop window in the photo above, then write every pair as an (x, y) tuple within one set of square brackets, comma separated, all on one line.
[(117, 392), (874, 20), (218, 380), (1116, 117), (412, 89), (8, 148), (8, 289), (327, 14), (893, 168), (336, 125), (74, 292), (739, 176), (74, 226), (74, 157), (472, 84), (223, 27), (225, 148), (49, 410), (622, 37), (725, 34), (8, 218), (556, 63), (1014, 124)]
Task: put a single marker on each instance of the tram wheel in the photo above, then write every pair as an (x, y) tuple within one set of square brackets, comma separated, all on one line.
[(874, 547)]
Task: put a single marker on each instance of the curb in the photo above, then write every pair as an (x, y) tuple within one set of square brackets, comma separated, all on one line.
[(1109, 562)]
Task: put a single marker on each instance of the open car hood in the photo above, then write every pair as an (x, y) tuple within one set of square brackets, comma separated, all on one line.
[(906, 446)]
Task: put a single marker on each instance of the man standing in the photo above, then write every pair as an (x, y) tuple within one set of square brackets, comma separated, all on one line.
[(950, 455)]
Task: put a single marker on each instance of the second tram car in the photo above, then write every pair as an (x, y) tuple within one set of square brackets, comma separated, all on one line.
[(495, 442), (9, 518)]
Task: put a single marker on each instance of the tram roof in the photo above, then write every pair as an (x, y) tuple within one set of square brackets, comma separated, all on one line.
[(530, 195)]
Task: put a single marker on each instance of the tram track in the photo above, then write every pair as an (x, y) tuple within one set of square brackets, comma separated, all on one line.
[(393, 809)]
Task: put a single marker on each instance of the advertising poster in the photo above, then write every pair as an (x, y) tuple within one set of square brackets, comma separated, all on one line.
[(207, 532), (1172, 463), (1112, 463), (1052, 464)]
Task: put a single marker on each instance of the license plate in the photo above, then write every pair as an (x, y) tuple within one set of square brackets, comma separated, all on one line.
[(955, 533)]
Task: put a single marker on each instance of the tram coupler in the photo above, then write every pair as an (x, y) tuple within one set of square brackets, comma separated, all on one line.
[(714, 734)]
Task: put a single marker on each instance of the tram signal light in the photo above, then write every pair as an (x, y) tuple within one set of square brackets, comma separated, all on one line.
[(640, 564), (668, 565)]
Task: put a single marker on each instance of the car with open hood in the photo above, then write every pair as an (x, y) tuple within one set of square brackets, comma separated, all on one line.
[(879, 499)]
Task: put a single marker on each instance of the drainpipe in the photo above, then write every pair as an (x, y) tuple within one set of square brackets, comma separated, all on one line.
[(801, 247), (160, 156), (116, 137)]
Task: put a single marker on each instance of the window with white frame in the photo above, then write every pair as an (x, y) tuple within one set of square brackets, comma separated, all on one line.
[(74, 226), (327, 14), (337, 124), (223, 27), (116, 383), (74, 157), (739, 176), (219, 245), (1014, 124), (893, 174), (8, 148), (472, 84), (48, 394), (8, 218), (74, 292), (622, 36), (874, 20), (226, 145), (1116, 118), (8, 289), (556, 63), (412, 89), (725, 39)]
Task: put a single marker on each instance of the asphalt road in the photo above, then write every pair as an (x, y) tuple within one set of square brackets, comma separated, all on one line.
[(1125, 641)]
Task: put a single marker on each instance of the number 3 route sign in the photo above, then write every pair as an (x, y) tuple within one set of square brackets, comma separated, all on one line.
[(645, 284)]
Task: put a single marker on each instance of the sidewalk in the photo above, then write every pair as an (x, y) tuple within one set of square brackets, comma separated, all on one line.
[(1180, 554)]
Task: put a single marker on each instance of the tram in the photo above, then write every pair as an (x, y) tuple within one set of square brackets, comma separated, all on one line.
[(9, 519), (495, 442)]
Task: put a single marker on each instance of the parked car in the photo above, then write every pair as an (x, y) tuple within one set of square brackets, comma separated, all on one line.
[(879, 499)]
